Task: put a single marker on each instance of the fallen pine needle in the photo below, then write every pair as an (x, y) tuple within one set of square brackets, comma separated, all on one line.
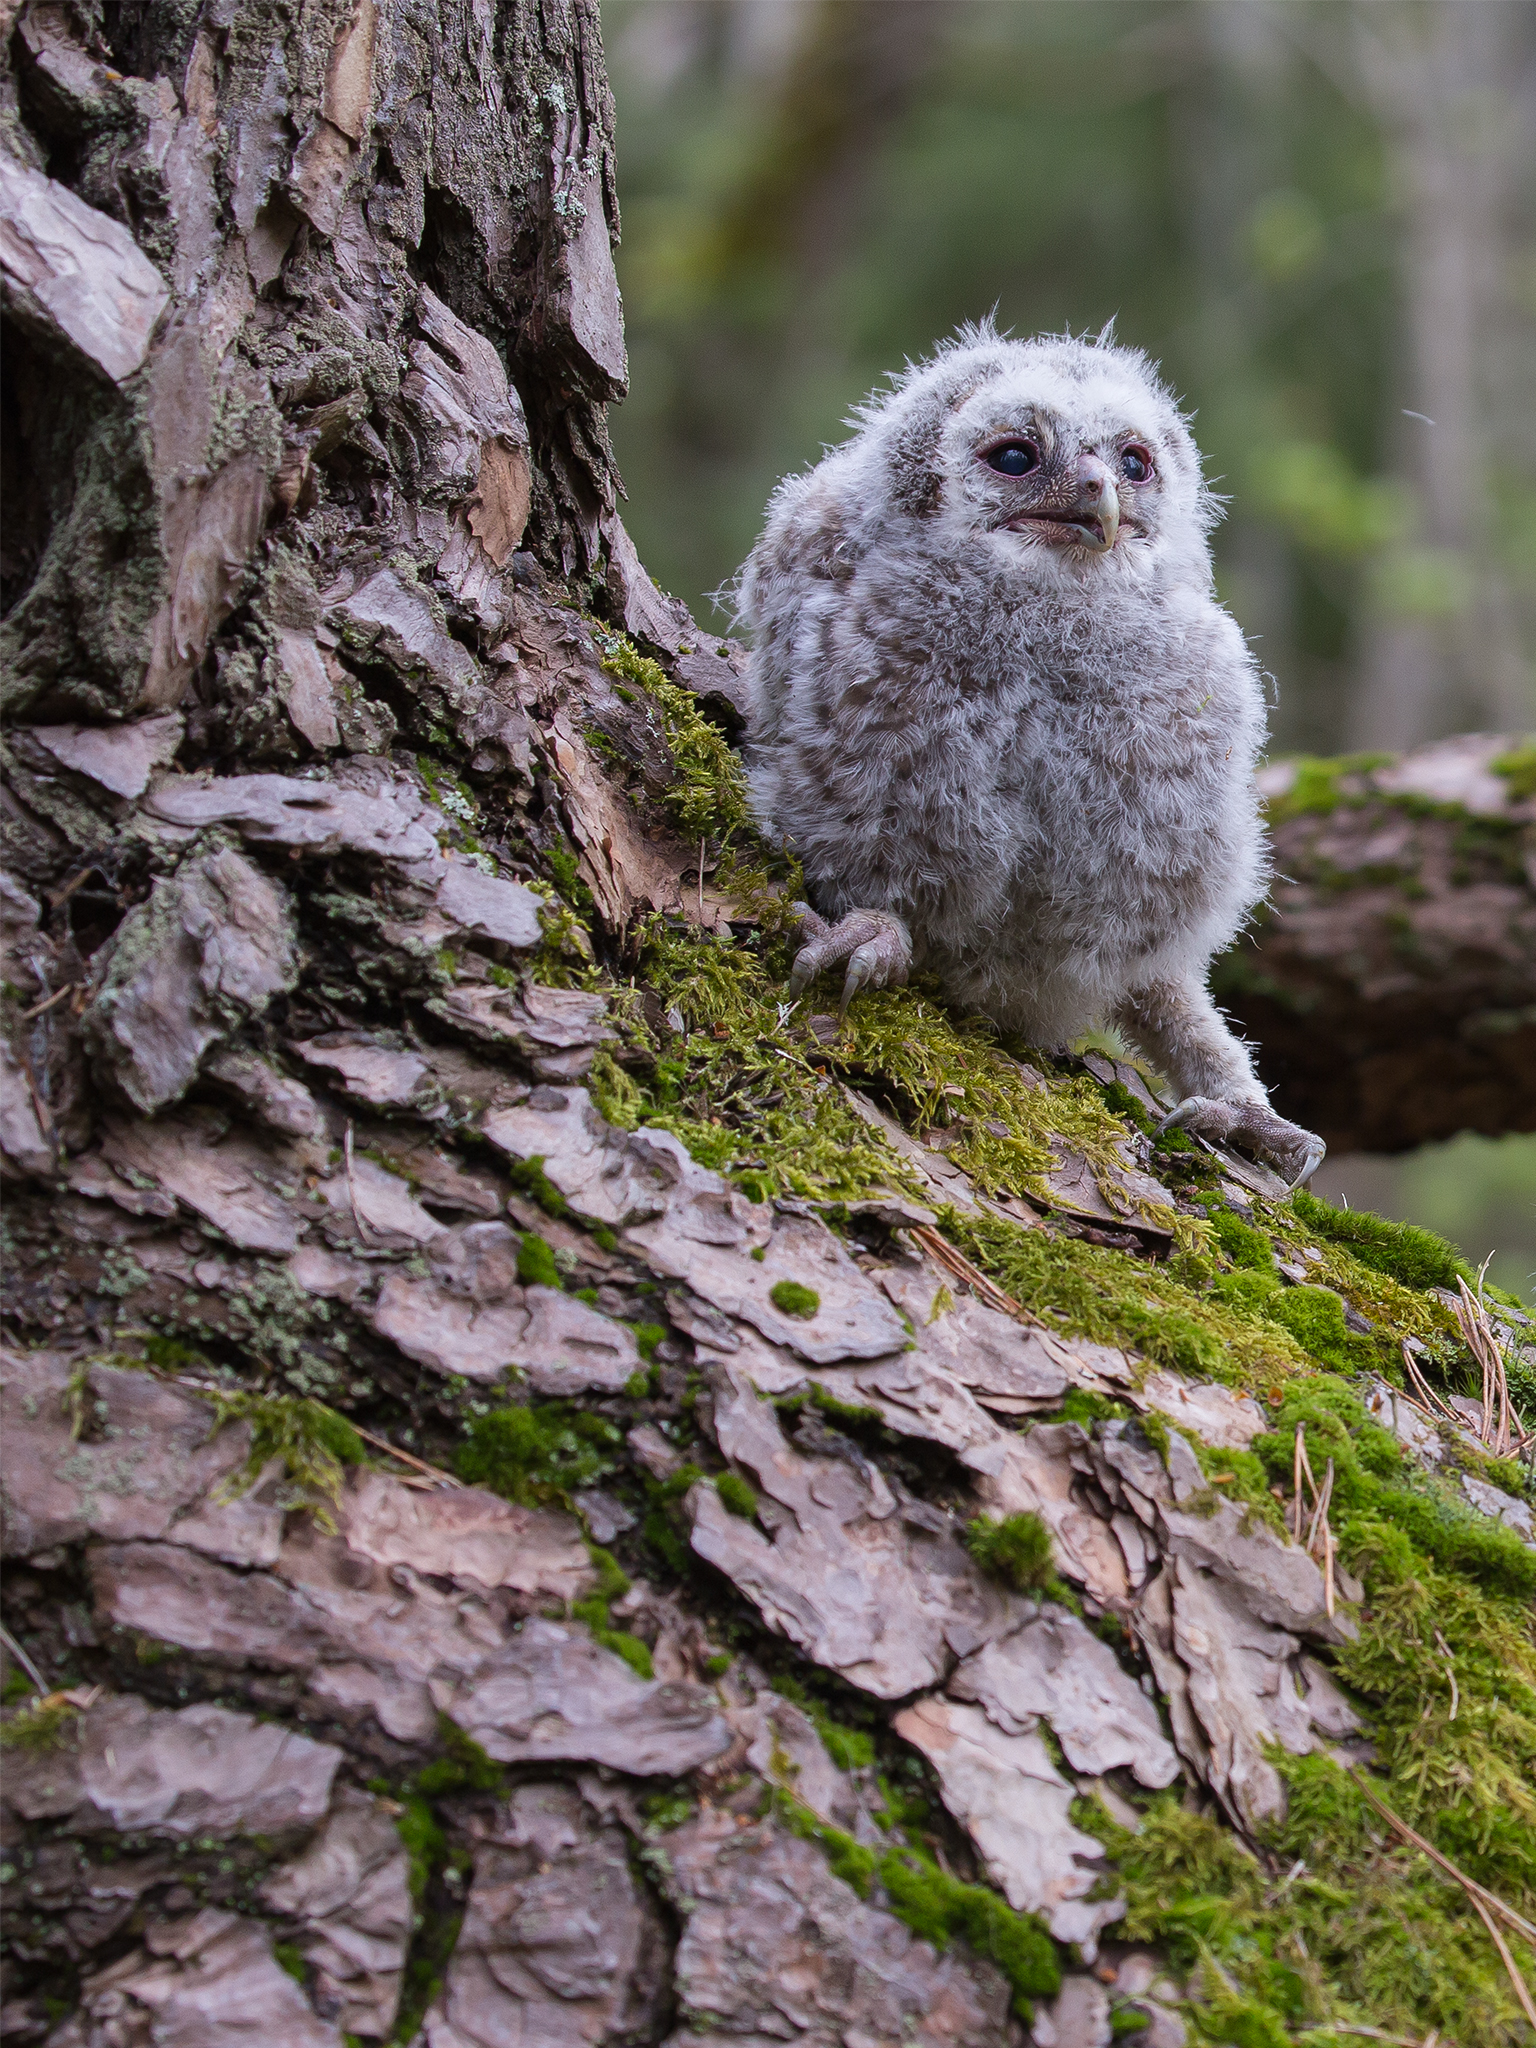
[(48, 1002), (960, 1267), (1522, 1989), (1474, 1891), (381, 1443)]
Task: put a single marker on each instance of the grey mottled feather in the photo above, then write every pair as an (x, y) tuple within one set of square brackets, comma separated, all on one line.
[(1040, 759)]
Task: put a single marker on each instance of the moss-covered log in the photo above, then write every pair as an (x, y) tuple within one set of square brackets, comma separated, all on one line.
[(1391, 980), (549, 1493)]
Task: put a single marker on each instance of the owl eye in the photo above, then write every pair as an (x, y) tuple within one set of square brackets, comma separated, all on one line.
[(1014, 458), (1136, 464)]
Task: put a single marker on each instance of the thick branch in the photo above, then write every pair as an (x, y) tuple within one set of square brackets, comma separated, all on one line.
[(1392, 986)]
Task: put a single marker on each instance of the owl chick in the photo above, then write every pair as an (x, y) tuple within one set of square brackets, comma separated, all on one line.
[(1001, 717)]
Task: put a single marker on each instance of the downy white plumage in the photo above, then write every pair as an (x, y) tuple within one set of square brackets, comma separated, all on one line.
[(1002, 718)]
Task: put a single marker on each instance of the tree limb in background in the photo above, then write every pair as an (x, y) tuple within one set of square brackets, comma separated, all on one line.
[(1391, 987)]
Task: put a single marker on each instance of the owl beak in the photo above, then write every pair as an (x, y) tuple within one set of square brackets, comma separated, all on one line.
[(1095, 512)]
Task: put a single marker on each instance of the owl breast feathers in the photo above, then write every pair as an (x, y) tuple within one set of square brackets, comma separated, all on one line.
[(998, 711)]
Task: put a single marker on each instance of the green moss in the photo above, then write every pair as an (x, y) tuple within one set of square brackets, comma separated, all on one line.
[(436, 1931), (791, 1299), (647, 1337), (851, 1749), (612, 1584), (663, 1811), (718, 1665), (1244, 1290), (849, 1415), (536, 1262), (1315, 790), (539, 1454), (1112, 1297), (1016, 1550), (937, 1907), (312, 1441), (635, 1653), (291, 1959), (1126, 2019), (169, 1354), (1404, 1252), (661, 1525), (1518, 768), (1315, 1318), (1374, 1478), (1243, 1245), (39, 1726), (1361, 1932), (461, 1766), (736, 1496), (747, 1091), (1238, 1476), (1084, 1407), (417, 1826), (708, 796), (529, 1175)]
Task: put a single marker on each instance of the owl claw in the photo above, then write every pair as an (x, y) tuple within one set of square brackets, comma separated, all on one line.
[(1295, 1152), (876, 946)]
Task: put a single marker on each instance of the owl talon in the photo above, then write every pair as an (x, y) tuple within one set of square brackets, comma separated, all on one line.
[(1296, 1153), (876, 946)]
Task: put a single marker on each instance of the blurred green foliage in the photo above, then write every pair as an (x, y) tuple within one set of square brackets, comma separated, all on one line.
[(814, 192)]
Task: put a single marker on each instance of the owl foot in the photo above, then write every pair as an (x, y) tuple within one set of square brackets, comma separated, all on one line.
[(1296, 1153), (876, 946)]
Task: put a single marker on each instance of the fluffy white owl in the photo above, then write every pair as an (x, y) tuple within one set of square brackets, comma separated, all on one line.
[(1001, 717)]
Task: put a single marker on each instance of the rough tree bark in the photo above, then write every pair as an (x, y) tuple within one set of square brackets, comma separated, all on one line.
[(335, 790)]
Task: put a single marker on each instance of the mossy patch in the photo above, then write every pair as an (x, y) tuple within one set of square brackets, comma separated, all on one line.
[(538, 1455), (1404, 1252), (936, 1906), (1315, 1318), (1518, 768), (1375, 1478), (752, 1096), (1245, 1246), (1337, 1925), (791, 1299), (529, 1175), (850, 1748), (736, 1496), (1111, 1297), (41, 1725), (662, 1526), (313, 1443), (1016, 1550), (708, 795), (593, 1610), (536, 1262), (1316, 790)]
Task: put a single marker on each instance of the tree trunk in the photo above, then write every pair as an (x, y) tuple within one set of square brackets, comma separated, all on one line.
[(446, 1436), (1390, 986)]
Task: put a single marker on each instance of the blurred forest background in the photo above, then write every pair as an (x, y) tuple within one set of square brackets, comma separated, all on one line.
[(1319, 215)]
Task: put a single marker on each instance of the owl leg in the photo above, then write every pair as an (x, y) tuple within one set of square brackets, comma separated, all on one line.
[(1183, 1033), (1295, 1153), (876, 946)]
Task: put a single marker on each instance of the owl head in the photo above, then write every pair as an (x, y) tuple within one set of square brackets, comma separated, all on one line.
[(1050, 459)]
